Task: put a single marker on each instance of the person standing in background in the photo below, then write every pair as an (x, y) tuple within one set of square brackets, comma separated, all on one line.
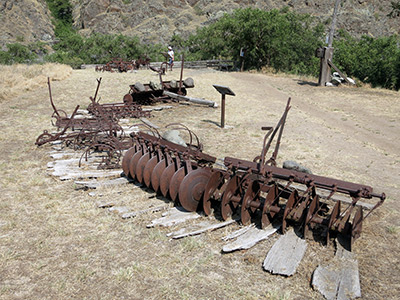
[(171, 57)]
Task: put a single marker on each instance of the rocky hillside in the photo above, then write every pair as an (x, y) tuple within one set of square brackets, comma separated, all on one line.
[(24, 21), (157, 20)]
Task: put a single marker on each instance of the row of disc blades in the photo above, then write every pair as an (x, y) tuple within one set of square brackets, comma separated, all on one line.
[(196, 187)]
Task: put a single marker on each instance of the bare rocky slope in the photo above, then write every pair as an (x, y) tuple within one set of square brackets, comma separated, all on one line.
[(155, 21)]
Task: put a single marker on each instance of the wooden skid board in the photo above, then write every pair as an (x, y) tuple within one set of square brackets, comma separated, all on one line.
[(340, 278), (249, 238), (199, 228), (285, 255), (174, 216)]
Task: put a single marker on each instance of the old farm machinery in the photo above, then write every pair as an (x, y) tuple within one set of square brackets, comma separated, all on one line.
[(153, 92), (126, 109), (256, 190), (100, 133)]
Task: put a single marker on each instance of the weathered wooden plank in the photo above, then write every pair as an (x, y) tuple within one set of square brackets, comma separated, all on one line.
[(89, 174), (201, 228), (285, 255), (250, 238), (340, 278), (93, 184), (133, 214), (174, 216), (238, 232)]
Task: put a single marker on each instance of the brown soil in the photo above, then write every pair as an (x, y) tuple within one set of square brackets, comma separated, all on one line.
[(56, 243)]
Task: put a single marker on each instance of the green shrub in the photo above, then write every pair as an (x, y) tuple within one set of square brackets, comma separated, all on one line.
[(281, 39)]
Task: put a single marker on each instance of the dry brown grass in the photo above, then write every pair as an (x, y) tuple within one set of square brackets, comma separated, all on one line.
[(19, 78), (56, 244)]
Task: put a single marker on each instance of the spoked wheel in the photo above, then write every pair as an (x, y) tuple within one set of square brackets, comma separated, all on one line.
[(166, 177), (127, 158), (148, 170), (231, 197), (215, 182), (192, 188), (250, 203), (290, 204), (270, 205)]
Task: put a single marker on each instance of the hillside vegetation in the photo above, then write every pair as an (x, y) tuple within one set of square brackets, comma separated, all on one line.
[(279, 40)]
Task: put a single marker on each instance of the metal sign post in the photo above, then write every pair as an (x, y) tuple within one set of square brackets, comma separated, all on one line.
[(223, 90)]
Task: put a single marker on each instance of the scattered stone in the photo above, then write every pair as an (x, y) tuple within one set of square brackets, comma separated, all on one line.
[(292, 165), (139, 86), (188, 82), (174, 137)]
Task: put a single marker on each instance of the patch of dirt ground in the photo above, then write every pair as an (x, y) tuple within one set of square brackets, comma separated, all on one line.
[(55, 243)]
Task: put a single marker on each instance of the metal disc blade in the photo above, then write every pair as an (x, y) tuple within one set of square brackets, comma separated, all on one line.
[(127, 158), (166, 178), (148, 170), (156, 174), (192, 187), (214, 182), (133, 163), (266, 215), (250, 195), (175, 183), (288, 208), (227, 206), (140, 166)]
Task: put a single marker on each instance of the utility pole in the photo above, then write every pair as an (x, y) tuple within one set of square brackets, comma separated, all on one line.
[(326, 53)]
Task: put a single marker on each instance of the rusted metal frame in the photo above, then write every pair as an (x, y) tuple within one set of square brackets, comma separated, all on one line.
[(59, 134), (326, 183), (266, 146), (195, 154)]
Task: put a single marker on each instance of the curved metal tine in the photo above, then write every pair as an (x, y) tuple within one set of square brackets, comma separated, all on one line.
[(51, 98), (152, 129), (188, 130), (97, 90)]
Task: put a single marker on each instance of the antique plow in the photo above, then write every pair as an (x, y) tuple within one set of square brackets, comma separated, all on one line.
[(126, 109), (165, 166), (257, 190)]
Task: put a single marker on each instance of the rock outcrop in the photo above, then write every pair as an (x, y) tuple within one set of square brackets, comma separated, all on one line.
[(25, 21), (156, 21)]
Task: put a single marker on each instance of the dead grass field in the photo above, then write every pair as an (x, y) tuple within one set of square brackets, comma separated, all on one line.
[(56, 244)]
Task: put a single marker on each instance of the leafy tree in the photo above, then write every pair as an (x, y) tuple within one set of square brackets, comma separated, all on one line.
[(283, 40)]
